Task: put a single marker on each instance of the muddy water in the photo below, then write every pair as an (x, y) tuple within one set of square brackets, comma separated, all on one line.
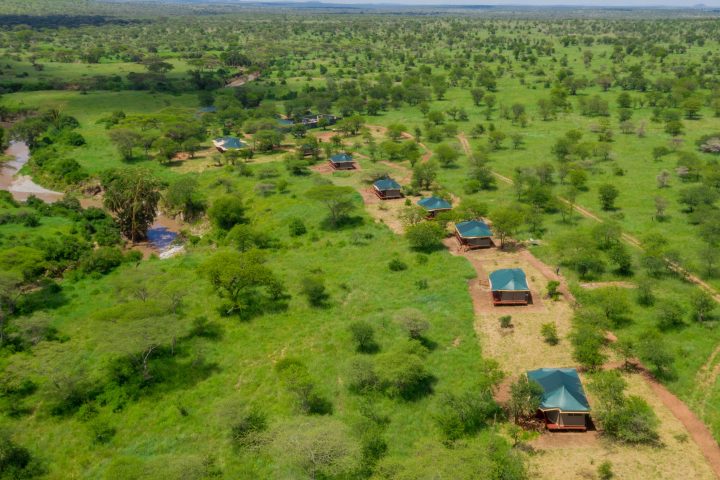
[(22, 186), (161, 234)]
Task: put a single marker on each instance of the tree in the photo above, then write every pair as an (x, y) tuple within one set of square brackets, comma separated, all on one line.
[(446, 155), (496, 138), (702, 304), (363, 335), (183, 197), (313, 287), (525, 397), (462, 415), (477, 96), (227, 211), (506, 220), (608, 193), (242, 280), (339, 201), (132, 195), (670, 315), (317, 448), (125, 140), (424, 175), (424, 236)]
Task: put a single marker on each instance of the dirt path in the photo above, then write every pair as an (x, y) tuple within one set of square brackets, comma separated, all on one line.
[(242, 80), (699, 432), (593, 285)]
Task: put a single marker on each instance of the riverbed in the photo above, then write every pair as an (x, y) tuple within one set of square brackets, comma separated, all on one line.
[(162, 232)]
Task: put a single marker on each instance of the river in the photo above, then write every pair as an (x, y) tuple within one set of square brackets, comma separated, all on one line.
[(161, 234)]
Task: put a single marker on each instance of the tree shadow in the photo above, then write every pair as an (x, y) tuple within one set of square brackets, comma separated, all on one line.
[(345, 223), (49, 296)]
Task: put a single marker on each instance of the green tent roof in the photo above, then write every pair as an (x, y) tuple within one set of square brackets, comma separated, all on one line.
[(509, 279), (229, 143), (473, 228), (341, 158), (434, 203), (387, 184), (561, 389)]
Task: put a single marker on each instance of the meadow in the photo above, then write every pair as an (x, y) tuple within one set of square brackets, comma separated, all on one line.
[(115, 366)]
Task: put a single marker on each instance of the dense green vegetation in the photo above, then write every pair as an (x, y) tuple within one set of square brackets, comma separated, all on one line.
[(296, 336)]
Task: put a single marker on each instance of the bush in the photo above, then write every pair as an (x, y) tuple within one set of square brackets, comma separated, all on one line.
[(362, 377), (314, 289), (413, 322), (403, 374), (363, 335), (465, 414), (397, 265), (425, 236), (227, 211), (552, 289), (605, 471), (15, 461), (549, 332), (103, 260), (298, 382), (505, 321), (297, 227), (632, 422), (245, 432)]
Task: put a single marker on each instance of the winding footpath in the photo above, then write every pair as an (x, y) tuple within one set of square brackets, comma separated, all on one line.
[(699, 432)]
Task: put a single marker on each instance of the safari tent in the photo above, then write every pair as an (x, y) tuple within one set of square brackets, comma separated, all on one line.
[(224, 144), (434, 205), (387, 188), (564, 405), (342, 161), (473, 234), (509, 287)]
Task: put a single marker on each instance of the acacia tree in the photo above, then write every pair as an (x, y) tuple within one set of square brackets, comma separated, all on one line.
[(506, 220), (338, 200), (132, 195), (242, 279)]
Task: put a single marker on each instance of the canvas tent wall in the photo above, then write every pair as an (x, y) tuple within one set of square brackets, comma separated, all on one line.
[(387, 188), (434, 205), (564, 405), (342, 161), (474, 234), (509, 287)]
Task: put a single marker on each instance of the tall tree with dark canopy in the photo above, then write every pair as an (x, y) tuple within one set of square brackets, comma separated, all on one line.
[(132, 195)]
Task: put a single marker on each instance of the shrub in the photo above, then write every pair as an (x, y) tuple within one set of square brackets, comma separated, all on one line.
[(361, 376), (397, 265), (525, 397), (505, 321), (227, 211), (670, 315), (465, 414), (297, 227), (403, 374), (298, 382), (424, 237), (363, 335), (246, 431), (314, 289), (605, 471), (413, 322), (552, 289), (549, 332), (632, 422), (103, 260)]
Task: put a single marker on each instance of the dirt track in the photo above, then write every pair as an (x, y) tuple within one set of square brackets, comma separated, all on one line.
[(699, 432)]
